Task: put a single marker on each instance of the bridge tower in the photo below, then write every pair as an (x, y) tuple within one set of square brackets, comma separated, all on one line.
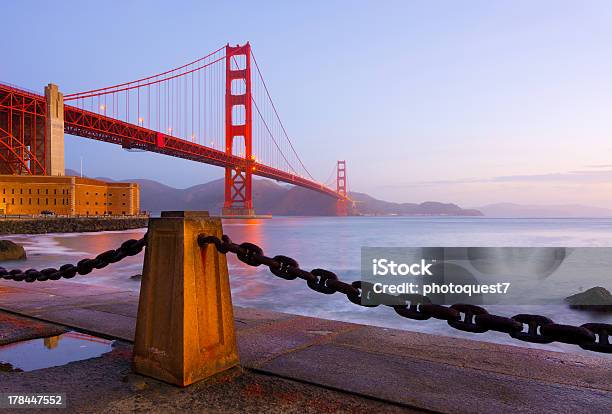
[(238, 125), (341, 189)]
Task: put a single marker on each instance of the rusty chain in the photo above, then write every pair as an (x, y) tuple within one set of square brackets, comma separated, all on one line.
[(469, 318), (128, 248)]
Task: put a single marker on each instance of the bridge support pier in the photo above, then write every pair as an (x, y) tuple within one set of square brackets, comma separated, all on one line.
[(185, 325), (54, 131), (342, 208)]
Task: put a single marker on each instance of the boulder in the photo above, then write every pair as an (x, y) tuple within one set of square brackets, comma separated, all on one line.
[(594, 299), (136, 277), (11, 251), (6, 367)]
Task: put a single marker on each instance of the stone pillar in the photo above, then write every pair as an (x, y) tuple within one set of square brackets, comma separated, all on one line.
[(185, 325), (54, 131)]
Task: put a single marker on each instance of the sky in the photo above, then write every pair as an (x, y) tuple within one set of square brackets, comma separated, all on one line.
[(471, 102)]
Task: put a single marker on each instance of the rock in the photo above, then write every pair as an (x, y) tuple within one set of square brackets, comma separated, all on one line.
[(595, 299), (139, 385), (6, 367), (11, 251), (135, 382), (136, 277)]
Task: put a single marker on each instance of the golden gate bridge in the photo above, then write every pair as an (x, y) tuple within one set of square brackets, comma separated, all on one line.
[(216, 110)]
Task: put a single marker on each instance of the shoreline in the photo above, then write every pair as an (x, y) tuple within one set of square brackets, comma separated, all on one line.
[(11, 226)]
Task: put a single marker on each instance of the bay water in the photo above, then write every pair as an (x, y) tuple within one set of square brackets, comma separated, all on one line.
[(335, 243)]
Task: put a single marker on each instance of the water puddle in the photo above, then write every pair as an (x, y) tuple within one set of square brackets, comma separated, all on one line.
[(51, 351)]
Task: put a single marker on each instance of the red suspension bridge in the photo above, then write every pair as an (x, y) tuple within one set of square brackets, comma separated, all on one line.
[(216, 110)]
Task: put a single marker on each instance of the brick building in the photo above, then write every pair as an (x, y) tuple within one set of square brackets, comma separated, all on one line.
[(63, 195)]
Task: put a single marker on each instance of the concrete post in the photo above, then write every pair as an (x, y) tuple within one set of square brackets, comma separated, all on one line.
[(185, 325), (54, 131)]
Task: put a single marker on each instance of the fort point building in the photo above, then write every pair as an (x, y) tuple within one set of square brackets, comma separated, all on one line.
[(33, 194)]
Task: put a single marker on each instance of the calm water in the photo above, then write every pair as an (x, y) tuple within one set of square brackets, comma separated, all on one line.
[(52, 351), (335, 243)]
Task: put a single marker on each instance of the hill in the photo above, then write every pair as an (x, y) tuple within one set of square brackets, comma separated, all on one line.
[(511, 210)]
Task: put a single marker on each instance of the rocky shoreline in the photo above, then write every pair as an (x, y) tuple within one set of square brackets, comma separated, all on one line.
[(70, 224)]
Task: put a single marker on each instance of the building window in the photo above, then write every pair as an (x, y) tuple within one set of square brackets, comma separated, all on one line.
[(30, 201), (12, 201), (47, 191), (47, 201), (12, 191), (30, 191)]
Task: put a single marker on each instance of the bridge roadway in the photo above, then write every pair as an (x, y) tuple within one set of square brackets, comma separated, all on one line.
[(92, 125), (301, 364)]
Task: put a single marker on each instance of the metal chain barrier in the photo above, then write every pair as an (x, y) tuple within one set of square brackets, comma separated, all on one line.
[(128, 248), (469, 318)]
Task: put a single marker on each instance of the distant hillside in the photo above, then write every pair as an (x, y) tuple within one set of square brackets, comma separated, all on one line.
[(512, 210), (270, 197), (369, 205)]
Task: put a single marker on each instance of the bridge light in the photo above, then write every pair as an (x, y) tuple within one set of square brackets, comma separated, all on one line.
[(141, 120), (170, 130), (102, 107)]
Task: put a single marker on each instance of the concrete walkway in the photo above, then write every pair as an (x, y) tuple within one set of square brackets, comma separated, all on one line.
[(363, 364)]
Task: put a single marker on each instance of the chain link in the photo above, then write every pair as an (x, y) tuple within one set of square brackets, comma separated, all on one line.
[(128, 248), (469, 318)]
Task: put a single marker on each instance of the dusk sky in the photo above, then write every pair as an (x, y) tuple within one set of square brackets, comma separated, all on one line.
[(472, 102)]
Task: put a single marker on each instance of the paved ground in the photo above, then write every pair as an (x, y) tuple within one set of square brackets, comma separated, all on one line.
[(15, 328), (293, 362)]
